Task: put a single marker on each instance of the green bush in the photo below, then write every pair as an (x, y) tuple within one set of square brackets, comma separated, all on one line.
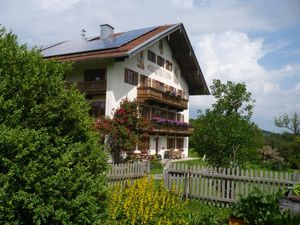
[(51, 166), (156, 167), (143, 203), (260, 208), (203, 214)]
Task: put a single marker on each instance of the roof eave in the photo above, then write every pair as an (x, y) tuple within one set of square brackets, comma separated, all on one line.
[(154, 39)]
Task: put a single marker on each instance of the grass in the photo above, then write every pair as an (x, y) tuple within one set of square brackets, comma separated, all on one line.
[(156, 167), (192, 162), (193, 153), (201, 213)]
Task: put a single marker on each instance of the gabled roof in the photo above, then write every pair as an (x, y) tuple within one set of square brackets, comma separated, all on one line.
[(128, 44)]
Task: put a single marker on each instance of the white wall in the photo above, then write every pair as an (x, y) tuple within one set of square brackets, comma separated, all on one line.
[(117, 89)]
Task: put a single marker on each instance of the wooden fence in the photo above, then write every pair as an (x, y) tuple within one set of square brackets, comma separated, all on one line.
[(222, 186), (121, 173)]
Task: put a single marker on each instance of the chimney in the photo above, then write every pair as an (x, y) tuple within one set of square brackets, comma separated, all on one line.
[(106, 31)]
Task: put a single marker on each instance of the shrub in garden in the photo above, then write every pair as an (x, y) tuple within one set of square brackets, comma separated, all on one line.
[(260, 208), (143, 203), (124, 130), (51, 166)]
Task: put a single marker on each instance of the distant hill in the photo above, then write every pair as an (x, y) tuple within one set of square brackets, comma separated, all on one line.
[(267, 133)]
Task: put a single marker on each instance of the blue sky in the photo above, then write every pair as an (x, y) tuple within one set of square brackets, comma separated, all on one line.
[(256, 42)]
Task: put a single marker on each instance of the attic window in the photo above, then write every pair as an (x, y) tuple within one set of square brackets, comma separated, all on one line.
[(151, 56), (168, 65), (131, 77), (160, 61)]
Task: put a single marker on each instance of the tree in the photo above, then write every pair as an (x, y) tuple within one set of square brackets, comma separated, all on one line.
[(225, 133), (290, 122), (232, 99), (122, 132), (51, 166)]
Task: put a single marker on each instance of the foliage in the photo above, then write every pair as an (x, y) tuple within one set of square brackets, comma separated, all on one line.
[(270, 158), (156, 167), (51, 167), (225, 134), (123, 131), (290, 122), (288, 147), (202, 214), (296, 189), (193, 153), (260, 208), (142, 203), (232, 99)]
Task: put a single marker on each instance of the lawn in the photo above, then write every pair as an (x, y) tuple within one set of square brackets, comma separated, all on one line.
[(201, 213)]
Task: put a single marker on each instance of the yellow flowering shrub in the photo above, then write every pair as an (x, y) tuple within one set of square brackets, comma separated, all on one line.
[(143, 203)]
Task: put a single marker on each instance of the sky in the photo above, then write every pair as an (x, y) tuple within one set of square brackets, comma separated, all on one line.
[(256, 42)]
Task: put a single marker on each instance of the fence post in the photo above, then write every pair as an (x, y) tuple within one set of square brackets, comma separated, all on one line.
[(166, 171), (187, 182), (295, 176)]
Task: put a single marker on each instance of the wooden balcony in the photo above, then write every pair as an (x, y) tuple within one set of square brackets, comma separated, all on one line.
[(92, 87), (161, 96), (171, 130)]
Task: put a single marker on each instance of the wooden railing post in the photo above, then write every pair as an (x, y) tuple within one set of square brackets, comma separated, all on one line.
[(295, 176)]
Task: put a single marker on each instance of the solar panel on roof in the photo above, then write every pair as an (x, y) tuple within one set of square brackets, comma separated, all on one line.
[(83, 45)]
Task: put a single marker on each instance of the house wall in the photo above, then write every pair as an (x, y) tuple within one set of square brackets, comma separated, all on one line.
[(117, 89)]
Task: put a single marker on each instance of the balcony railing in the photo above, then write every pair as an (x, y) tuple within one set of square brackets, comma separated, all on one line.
[(175, 130), (98, 86), (156, 91)]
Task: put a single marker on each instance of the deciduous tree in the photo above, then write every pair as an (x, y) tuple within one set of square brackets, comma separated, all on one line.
[(225, 133), (290, 122)]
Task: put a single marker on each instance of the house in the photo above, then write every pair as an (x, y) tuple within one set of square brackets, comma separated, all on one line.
[(155, 65)]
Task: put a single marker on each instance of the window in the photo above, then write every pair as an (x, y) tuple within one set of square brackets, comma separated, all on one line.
[(180, 117), (171, 116), (144, 143), (95, 75), (160, 61), (97, 109), (145, 112), (145, 81), (156, 113), (151, 56), (171, 143), (140, 60), (161, 47), (168, 65), (131, 77), (179, 143)]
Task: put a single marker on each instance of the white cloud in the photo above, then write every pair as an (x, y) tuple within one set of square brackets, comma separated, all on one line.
[(234, 56), (217, 29)]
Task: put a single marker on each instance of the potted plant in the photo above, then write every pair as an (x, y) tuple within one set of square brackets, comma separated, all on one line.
[(291, 201), (260, 208), (295, 193)]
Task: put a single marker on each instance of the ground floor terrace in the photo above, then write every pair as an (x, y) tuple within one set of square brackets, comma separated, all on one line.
[(160, 146)]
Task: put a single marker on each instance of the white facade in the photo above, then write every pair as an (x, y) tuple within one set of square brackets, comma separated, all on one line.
[(117, 89)]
